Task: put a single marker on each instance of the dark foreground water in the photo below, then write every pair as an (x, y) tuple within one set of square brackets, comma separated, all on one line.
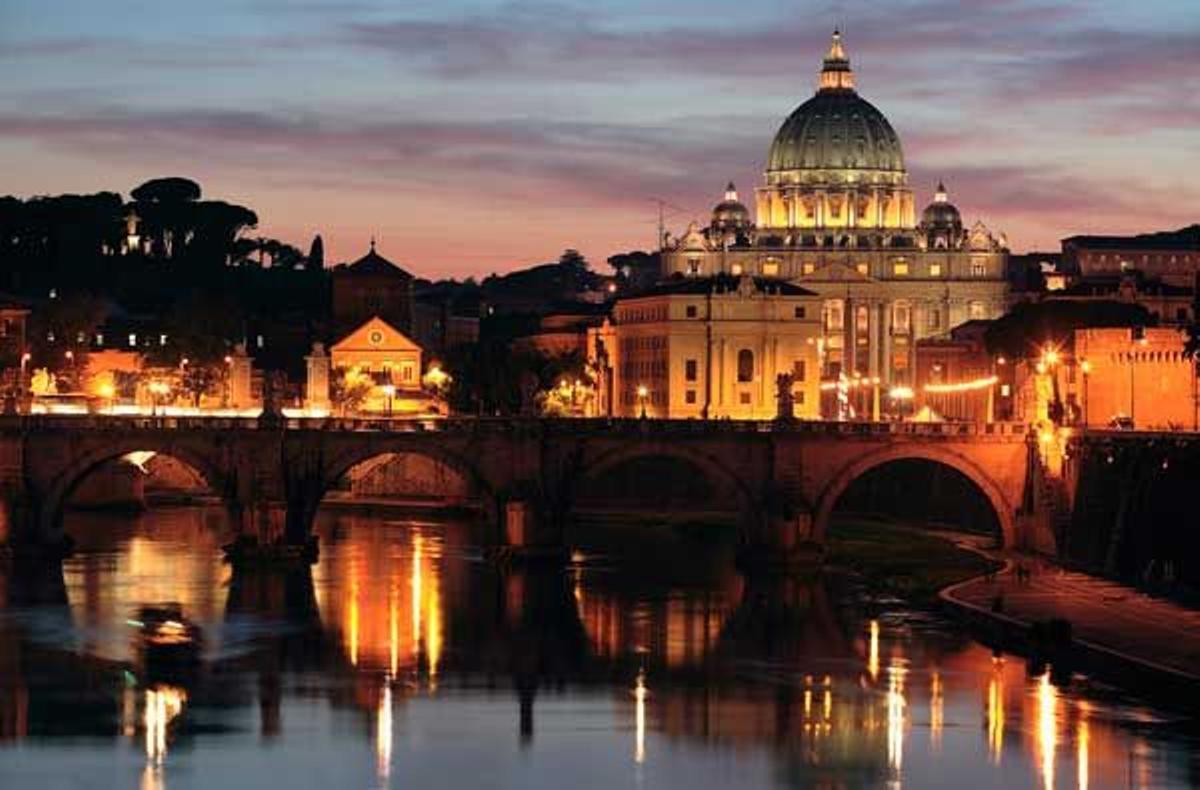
[(404, 660)]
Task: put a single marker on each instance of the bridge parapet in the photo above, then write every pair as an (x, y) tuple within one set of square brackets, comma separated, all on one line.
[(505, 425)]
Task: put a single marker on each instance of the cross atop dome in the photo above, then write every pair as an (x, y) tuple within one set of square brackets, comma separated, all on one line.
[(836, 74), (731, 195)]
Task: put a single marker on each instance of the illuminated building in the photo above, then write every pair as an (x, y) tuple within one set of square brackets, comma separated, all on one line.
[(708, 347), (389, 362), (1142, 374), (836, 216)]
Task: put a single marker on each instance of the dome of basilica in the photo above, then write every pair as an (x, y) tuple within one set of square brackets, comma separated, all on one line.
[(836, 129), (941, 213), (730, 213)]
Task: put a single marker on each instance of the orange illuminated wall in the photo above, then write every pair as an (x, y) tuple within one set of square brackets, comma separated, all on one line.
[(1147, 378)]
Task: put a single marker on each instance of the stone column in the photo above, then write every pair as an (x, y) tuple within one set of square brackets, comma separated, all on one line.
[(239, 378), (885, 327), (316, 390)]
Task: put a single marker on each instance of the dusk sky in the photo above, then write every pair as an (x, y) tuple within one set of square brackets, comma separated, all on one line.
[(473, 137)]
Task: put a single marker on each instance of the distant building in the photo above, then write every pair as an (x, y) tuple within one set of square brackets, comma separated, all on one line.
[(563, 329), (445, 315), (836, 216), (958, 380), (1170, 304), (1140, 374), (708, 347), (1170, 256), (13, 342), (372, 287)]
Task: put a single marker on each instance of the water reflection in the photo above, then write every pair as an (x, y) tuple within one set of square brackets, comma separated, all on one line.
[(415, 663)]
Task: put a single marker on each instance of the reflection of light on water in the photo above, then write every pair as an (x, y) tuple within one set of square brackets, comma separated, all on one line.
[(128, 711), (393, 634), (388, 602), (936, 710), (873, 651), (1081, 744), (828, 705), (895, 716), (383, 733), (417, 582), (807, 697), (639, 696), (163, 704), (995, 710), (1047, 732), (353, 616), (433, 639)]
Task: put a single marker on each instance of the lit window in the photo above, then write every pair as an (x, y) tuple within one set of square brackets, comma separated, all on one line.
[(862, 321), (808, 268), (693, 266), (863, 268), (132, 340), (975, 310), (900, 317), (259, 341), (770, 268), (736, 269), (99, 338), (53, 293), (900, 268), (162, 340), (978, 268), (935, 270)]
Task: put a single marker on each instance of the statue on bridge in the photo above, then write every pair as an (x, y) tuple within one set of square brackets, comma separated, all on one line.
[(785, 398)]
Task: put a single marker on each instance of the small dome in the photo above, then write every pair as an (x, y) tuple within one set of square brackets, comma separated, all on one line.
[(941, 213), (730, 213)]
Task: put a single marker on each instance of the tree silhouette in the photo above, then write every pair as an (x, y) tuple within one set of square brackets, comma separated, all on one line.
[(316, 253)]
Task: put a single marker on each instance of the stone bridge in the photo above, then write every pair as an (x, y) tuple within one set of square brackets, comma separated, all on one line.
[(779, 481)]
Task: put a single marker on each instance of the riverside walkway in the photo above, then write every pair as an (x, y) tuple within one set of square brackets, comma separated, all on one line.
[(1108, 619)]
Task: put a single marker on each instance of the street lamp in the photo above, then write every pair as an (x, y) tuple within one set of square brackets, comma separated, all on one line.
[(643, 393), (1085, 369), (901, 395), (158, 392), (390, 391), (108, 392)]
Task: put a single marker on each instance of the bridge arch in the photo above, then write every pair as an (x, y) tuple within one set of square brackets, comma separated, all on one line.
[(53, 500), (1004, 509), (751, 518), (345, 459)]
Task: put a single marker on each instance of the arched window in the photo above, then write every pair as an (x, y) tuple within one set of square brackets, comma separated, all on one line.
[(745, 368)]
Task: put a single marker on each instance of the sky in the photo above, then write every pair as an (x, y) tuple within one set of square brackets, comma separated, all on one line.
[(472, 137)]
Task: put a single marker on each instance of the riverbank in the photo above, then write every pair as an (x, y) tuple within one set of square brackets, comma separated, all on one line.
[(895, 559), (1099, 626)]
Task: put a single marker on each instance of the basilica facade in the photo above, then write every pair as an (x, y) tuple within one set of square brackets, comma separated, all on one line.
[(836, 216)]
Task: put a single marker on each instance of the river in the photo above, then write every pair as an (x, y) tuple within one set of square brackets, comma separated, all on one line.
[(403, 659)]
